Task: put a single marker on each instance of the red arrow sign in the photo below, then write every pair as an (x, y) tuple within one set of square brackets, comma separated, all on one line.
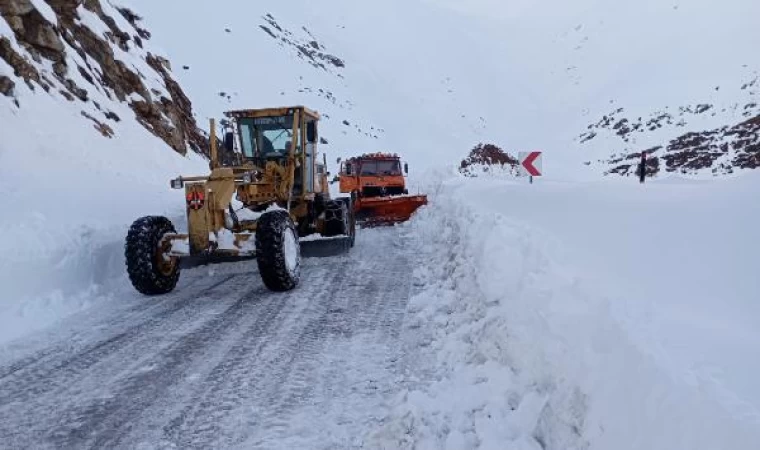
[(531, 162)]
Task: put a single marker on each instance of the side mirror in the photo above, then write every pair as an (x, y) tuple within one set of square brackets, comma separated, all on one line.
[(229, 141), (406, 168), (311, 131), (338, 160)]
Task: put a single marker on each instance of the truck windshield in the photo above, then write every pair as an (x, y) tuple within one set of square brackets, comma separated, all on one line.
[(266, 137), (381, 167)]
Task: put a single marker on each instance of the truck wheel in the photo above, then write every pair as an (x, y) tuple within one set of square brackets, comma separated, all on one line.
[(278, 252), (336, 219), (150, 271), (351, 221)]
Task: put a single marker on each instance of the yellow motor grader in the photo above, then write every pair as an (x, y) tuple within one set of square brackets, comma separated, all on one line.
[(269, 163)]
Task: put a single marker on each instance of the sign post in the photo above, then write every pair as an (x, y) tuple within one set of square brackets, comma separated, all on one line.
[(530, 163)]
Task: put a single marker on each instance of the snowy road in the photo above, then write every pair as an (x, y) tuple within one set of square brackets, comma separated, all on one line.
[(220, 362)]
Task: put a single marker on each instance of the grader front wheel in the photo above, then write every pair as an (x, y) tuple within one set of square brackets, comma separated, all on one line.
[(278, 252), (150, 270)]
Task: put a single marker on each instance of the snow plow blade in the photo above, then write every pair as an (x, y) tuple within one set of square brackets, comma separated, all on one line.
[(384, 211)]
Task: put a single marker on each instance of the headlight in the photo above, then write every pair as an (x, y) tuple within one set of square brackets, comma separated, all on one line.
[(177, 183)]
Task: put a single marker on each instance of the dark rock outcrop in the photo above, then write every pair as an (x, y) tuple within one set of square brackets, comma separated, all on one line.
[(308, 49), (169, 117), (6, 86), (485, 158), (717, 151)]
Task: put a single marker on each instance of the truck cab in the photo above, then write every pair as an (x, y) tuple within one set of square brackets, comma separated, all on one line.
[(373, 175)]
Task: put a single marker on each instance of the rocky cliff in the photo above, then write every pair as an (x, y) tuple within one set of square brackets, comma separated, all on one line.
[(677, 140), (78, 48)]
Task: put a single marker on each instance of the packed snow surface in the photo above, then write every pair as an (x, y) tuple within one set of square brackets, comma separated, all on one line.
[(221, 362)]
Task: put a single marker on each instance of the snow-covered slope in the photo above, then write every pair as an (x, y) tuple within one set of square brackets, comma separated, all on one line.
[(584, 315), (394, 87), (597, 315), (432, 78), (77, 160), (426, 78)]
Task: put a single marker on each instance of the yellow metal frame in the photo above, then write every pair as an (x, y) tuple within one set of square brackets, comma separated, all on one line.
[(272, 183)]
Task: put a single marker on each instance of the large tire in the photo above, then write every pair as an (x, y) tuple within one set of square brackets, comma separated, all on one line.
[(148, 271), (336, 219), (278, 252), (351, 220)]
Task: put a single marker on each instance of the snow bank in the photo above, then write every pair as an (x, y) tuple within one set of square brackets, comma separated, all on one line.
[(69, 195), (515, 343), (467, 388)]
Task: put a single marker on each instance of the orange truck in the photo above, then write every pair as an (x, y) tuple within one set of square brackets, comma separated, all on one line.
[(378, 186)]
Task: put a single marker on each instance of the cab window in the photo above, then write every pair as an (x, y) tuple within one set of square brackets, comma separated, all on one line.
[(267, 137), (381, 168)]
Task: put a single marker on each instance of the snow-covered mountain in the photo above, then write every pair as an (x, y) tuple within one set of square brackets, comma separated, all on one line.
[(441, 76), (541, 300)]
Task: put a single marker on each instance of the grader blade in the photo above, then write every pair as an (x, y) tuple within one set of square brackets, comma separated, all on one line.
[(321, 247)]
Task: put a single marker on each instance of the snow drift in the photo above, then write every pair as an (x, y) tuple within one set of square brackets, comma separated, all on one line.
[(564, 315)]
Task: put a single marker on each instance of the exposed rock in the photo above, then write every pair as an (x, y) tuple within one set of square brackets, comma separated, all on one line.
[(719, 151), (16, 7), (308, 49), (179, 109), (697, 151), (22, 68), (31, 28), (170, 118), (66, 95), (115, 35), (102, 128), (134, 19), (486, 158), (112, 116), (6, 86)]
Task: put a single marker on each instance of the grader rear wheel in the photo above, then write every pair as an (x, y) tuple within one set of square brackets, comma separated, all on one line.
[(150, 270), (340, 220), (336, 218)]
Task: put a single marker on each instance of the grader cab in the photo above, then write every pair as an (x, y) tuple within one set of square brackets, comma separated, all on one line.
[(267, 189)]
